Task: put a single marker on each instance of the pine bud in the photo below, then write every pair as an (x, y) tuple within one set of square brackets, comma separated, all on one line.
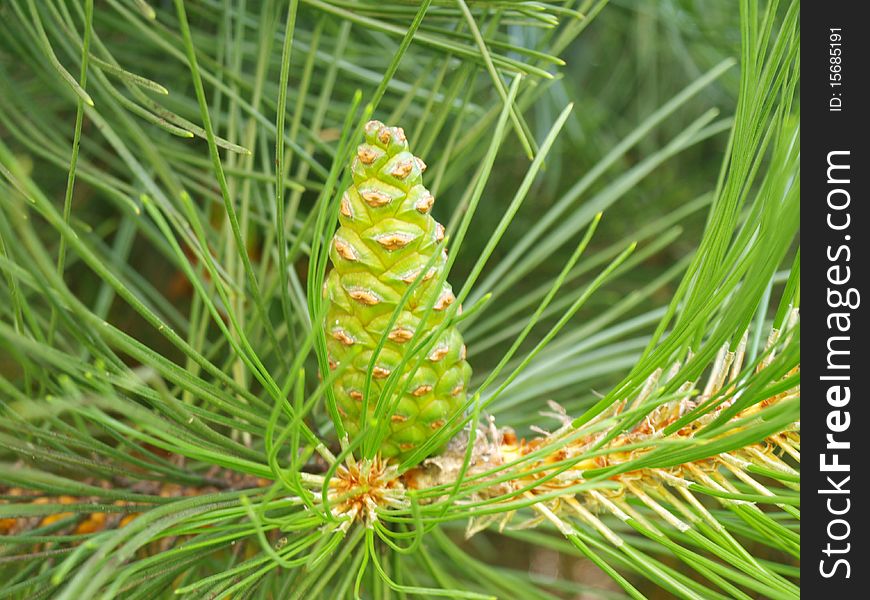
[(387, 239)]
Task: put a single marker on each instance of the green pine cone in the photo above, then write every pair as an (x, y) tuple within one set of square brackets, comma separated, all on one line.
[(386, 238)]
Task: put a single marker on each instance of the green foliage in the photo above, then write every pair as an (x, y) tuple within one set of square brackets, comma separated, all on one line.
[(170, 178)]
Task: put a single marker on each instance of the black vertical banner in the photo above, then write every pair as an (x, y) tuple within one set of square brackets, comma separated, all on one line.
[(835, 300)]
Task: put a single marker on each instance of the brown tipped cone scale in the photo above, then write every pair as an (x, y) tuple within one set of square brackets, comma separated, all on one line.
[(386, 239)]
